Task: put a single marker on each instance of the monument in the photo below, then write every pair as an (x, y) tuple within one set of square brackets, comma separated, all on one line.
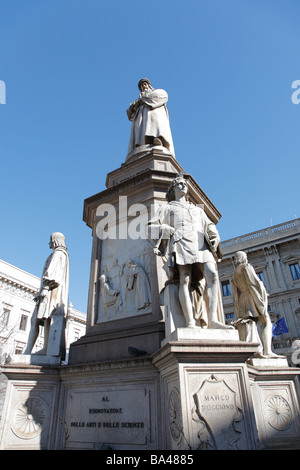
[(158, 368)]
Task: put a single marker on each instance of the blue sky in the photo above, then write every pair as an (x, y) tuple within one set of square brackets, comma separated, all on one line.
[(71, 68)]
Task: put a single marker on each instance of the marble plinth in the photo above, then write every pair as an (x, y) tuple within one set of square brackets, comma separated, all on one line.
[(268, 362), (205, 389), (275, 393), (201, 334), (37, 359)]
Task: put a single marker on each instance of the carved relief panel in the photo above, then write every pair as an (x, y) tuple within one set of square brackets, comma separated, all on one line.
[(124, 279)]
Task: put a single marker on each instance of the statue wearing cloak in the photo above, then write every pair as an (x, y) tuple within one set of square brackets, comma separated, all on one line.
[(150, 119), (52, 300), (251, 306)]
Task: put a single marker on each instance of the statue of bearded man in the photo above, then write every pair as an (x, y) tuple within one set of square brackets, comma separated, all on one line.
[(150, 118)]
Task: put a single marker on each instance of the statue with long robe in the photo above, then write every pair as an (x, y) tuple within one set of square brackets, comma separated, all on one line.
[(137, 281), (52, 301), (150, 118), (251, 305)]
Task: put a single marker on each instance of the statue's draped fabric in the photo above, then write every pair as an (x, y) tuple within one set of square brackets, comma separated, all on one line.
[(188, 244), (151, 120), (250, 300), (56, 270), (137, 278), (249, 292)]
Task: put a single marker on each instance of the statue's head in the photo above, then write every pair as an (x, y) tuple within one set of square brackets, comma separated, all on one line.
[(144, 83), (178, 184), (240, 258), (57, 239)]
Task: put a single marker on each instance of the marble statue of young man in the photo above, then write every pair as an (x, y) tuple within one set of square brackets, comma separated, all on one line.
[(191, 241), (150, 118), (251, 305), (52, 299)]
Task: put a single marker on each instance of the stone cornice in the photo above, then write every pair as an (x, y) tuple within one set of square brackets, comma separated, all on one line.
[(16, 288)]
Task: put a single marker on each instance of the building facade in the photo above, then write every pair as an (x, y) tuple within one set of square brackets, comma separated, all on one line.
[(274, 252)]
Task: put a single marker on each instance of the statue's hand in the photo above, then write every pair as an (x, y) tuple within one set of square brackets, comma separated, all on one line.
[(156, 251), (168, 231), (133, 107), (50, 283), (214, 244)]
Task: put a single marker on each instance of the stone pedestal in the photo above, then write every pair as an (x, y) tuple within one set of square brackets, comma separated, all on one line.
[(276, 394), (31, 408), (112, 405), (206, 397), (192, 394), (39, 359)]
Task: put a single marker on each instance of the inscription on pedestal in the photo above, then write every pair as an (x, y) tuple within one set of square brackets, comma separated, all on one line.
[(110, 417), (217, 413)]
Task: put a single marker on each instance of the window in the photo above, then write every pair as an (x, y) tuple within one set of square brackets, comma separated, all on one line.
[(295, 271), (23, 322), (260, 275), (4, 317), (76, 334), (19, 347), (226, 289)]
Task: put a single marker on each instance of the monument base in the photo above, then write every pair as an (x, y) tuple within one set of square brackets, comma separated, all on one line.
[(109, 405), (201, 334), (276, 394), (190, 394), (31, 409), (206, 396), (39, 359), (268, 362)]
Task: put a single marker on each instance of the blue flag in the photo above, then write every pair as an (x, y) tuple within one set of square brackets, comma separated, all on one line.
[(280, 327)]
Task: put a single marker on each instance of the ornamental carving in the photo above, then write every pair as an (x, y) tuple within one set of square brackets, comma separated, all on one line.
[(278, 412), (218, 416), (175, 415), (29, 418)]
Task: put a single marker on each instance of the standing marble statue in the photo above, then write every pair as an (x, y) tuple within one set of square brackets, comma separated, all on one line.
[(150, 118), (251, 305), (52, 301), (191, 241)]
